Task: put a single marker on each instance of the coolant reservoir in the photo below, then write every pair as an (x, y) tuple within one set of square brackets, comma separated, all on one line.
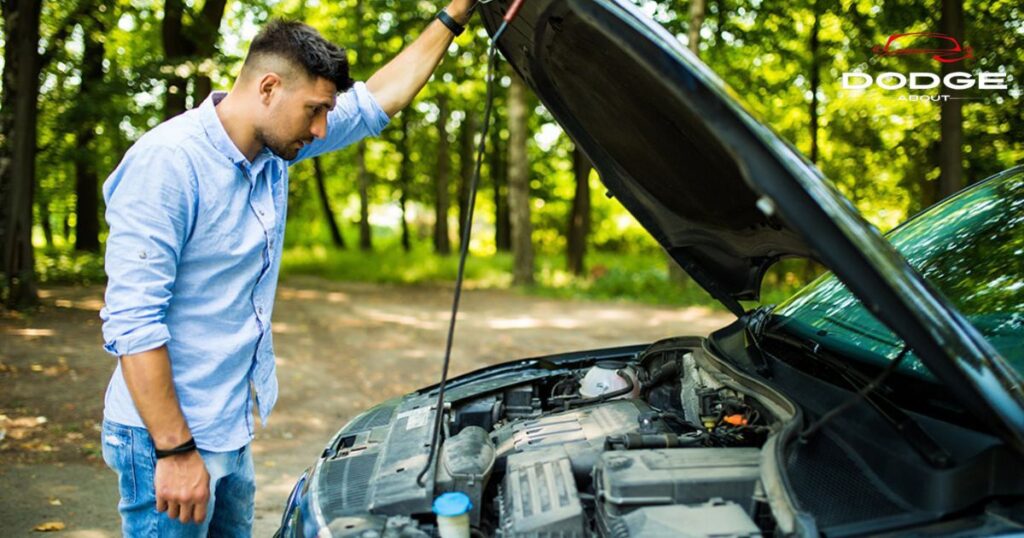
[(603, 378)]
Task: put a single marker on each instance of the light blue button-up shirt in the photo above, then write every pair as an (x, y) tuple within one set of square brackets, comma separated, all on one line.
[(192, 261)]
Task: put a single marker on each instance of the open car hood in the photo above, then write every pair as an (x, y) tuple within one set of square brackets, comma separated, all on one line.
[(723, 194)]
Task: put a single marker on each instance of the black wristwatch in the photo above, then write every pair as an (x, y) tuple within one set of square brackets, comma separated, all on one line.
[(448, 21), (187, 446)]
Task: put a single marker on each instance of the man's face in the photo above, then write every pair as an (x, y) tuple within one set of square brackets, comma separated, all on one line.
[(296, 114)]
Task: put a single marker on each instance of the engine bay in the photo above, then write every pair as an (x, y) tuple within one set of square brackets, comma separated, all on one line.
[(645, 454), (645, 445)]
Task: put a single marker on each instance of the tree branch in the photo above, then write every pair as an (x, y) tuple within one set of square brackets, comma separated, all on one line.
[(170, 30), (206, 28)]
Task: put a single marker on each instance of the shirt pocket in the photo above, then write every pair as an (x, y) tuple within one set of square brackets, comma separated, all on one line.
[(118, 447)]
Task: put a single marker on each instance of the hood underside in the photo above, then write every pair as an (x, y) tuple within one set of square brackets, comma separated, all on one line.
[(723, 194), (643, 122)]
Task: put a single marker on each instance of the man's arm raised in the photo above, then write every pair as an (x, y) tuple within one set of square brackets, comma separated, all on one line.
[(396, 84)]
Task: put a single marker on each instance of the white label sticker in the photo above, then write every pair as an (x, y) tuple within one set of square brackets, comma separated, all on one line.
[(417, 417)]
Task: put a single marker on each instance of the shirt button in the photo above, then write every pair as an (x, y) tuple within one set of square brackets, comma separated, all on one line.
[(259, 310)]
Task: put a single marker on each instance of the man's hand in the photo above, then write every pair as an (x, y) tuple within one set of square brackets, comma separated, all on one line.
[(459, 10), (182, 487)]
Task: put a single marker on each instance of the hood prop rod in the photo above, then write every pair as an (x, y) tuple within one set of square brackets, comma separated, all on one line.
[(492, 58)]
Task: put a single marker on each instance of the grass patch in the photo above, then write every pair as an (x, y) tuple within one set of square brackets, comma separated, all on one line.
[(392, 265), (610, 276)]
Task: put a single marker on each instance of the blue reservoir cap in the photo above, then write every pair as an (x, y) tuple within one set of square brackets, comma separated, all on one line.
[(452, 504)]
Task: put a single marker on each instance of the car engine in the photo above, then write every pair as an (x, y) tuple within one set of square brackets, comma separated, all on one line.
[(650, 445)]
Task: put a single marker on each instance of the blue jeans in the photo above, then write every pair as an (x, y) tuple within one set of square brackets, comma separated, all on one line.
[(130, 453)]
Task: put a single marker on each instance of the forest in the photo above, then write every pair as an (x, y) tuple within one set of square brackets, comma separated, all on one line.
[(83, 79)]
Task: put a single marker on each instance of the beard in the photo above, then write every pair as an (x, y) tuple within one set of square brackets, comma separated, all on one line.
[(285, 150)]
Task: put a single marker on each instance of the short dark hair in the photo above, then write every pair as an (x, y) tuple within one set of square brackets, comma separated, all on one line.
[(302, 45)]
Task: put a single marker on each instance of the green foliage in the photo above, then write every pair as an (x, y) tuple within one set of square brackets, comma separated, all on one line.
[(64, 266), (613, 276), (881, 152), (392, 265)]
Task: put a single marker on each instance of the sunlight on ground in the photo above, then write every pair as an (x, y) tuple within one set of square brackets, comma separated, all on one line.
[(87, 533), (86, 304), (400, 319), (280, 327), (30, 332), (288, 293), (528, 322)]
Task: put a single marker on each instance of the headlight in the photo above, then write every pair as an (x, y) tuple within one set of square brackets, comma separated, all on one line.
[(292, 504)]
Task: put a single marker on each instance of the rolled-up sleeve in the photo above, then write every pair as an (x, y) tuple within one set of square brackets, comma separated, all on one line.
[(151, 201), (356, 115)]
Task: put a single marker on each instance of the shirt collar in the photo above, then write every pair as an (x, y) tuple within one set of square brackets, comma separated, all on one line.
[(215, 129), (222, 142)]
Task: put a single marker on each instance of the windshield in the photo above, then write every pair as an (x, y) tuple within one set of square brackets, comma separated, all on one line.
[(969, 247)]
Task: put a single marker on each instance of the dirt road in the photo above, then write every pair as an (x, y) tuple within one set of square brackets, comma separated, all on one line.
[(340, 348)]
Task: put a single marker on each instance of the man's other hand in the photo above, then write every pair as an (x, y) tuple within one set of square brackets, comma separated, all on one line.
[(182, 487)]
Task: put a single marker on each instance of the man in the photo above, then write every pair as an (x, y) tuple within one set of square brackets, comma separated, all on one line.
[(196, 211)]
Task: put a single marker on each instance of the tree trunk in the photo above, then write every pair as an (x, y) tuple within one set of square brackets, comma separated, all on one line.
[(696, 21), (467, 157), (44, 221), (18, 151), (87, 232), (809, 267), (442, 243), (815, 81), (363, 180), (318, 172), (201, 89), (579, 217), (175, 51), (951, 173), (723, 18), (519, 185), (499, 179), (87, 228), (404, 171), (182, 44), (205, 32)]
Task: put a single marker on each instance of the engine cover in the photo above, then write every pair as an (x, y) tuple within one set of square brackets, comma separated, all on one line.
[(677, 476), (581, 432)]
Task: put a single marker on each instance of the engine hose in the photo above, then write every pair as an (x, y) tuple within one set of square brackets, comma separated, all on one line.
[(634, 441), (661, 374)]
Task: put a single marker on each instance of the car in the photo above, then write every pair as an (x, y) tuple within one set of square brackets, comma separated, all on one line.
[(941, 47), (885, 398)]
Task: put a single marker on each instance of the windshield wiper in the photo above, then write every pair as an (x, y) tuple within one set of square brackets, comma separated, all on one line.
[(909, 428)]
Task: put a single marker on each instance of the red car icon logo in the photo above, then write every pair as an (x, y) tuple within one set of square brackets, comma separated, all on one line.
[(940, 47)]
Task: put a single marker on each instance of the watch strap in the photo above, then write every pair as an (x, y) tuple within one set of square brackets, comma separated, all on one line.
[(448, 21), (187, 446)]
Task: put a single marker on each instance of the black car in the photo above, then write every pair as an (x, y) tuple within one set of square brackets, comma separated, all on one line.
[(883, 399)]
